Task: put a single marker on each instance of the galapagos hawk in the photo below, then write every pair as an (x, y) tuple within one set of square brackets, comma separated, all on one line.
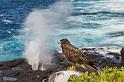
[(75, 55)]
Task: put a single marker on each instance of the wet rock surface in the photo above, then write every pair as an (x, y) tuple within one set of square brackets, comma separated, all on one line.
[(20, 71), (23, 72)]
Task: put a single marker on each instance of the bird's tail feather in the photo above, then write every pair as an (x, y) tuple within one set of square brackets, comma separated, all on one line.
[(94, 67), (98, 69)]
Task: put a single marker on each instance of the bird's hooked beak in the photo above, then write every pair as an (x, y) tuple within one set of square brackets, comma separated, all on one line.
[(59, 43)]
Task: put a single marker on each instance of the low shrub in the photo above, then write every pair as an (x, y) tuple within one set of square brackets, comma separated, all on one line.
[(109, 74)]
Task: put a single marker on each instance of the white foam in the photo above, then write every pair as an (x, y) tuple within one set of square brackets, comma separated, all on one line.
[(106, 5), (116, 5), (108, 25), (7, 21), (1, 14), (38, 26)]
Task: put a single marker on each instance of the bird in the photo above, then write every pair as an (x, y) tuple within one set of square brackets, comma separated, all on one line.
[(75, 56)]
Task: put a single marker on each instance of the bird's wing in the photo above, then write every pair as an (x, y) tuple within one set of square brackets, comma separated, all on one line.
[(85, 58), (82, 56)]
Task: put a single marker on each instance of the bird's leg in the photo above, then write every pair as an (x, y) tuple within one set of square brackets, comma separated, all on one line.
[(77, 67), (77, 64), (72, 67)]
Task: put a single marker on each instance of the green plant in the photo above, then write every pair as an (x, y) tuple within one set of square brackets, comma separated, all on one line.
[(112, 74)]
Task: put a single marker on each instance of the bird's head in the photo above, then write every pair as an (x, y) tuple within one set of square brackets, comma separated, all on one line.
[(64, 41)]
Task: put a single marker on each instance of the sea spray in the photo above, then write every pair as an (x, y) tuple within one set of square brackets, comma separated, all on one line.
[(39, 25)]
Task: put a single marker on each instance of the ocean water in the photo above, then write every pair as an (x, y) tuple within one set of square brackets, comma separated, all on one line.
[(88, 23)]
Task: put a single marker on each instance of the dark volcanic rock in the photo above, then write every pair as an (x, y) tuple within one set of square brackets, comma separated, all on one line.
[(122, 54), (13, 63), (23, 72)]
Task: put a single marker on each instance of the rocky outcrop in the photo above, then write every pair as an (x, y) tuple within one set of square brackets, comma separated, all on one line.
[(122, 55), (20, 71)]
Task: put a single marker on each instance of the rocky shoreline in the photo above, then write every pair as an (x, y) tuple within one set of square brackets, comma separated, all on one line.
[(20, 71)]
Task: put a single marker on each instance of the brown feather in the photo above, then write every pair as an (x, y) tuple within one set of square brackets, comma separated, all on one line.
[(75, 55)]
